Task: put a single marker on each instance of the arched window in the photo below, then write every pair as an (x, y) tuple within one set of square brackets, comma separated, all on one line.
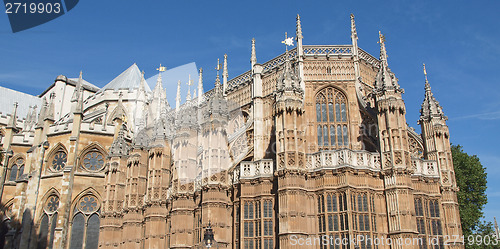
[(16, 170), (85, 224), (48, 222), (331, 119)]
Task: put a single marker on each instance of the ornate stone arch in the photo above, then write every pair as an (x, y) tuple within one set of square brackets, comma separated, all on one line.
[(92, 158), (85, 219), (56, 159), (86, 192), (47, 216), (332, 118)]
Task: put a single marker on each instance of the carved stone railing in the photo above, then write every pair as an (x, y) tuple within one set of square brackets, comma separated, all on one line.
[(309, 50), (277, 61), (239, 80), (343, 158), (327, 49), (253, 169), (425, 168), (368, 58)]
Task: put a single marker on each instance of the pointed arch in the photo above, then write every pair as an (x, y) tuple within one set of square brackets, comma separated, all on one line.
[(85, 220), (16, 167), (120, 112), (332, 122), (56, 158), (87, 191), (92, 158)]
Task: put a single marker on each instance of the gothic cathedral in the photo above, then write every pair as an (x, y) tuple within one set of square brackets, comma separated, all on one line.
[(308, 150)]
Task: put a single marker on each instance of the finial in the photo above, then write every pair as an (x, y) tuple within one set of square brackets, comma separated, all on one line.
[(81, 73), (141, 87), (13, 119), (253, 59), (218, 67), (354, 33), (200, 86), (383, 52), (217, 80), (299, 29), (189, 83), (224, 76), (178, 98), (427, 85), (161, 69), (288, 41)]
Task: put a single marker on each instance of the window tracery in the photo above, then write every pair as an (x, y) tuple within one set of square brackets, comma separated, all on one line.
[(93, 160), (17, 169), (59, 161), (48, 222), (85, 223), (331, 119)]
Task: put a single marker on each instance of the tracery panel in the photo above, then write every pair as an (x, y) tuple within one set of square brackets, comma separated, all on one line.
[(331, 119)]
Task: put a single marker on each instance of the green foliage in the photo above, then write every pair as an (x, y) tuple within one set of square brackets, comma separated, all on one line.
[(471, 179)]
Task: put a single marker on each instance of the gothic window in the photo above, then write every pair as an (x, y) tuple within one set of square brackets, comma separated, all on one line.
[(333, 217), (428, 222), (249, 225), (48, 222), (59, 161), (331, 119), (16, 170), (85, 223), (93, 160)]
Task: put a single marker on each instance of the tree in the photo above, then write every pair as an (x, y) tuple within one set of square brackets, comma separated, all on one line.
[(471, 179)]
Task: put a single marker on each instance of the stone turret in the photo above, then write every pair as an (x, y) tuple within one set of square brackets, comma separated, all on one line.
[(436, 141)]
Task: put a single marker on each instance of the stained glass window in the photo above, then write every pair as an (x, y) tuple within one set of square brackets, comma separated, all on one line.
[(16, 170), (87, 209), (331, 118), (93, 161), (59, 161)]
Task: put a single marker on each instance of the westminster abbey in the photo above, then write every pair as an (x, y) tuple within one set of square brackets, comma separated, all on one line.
[(306, 150)]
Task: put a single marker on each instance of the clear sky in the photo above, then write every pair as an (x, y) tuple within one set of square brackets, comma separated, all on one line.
[(458, 40)]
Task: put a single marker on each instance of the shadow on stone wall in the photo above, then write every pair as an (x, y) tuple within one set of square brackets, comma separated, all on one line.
[(11, 231)]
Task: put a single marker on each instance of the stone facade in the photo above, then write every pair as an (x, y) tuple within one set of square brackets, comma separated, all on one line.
[(312, 144)]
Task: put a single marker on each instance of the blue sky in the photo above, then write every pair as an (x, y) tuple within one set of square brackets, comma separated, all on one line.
[(458, 40)]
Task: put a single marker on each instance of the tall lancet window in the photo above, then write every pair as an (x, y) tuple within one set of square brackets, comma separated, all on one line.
[(85, 223), (331, 119), (48, 222)]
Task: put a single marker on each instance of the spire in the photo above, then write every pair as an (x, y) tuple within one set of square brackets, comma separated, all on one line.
[(200, 87), (159, 80), (13, 117), (217, 80), (383, 52), (354, 36), (299, 30), (178, 98), (497, 232), (385, 80), (224, 76), (78, 96), (119, 147), (253, 59), (49, 114), (43, 112), (430, 107)]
